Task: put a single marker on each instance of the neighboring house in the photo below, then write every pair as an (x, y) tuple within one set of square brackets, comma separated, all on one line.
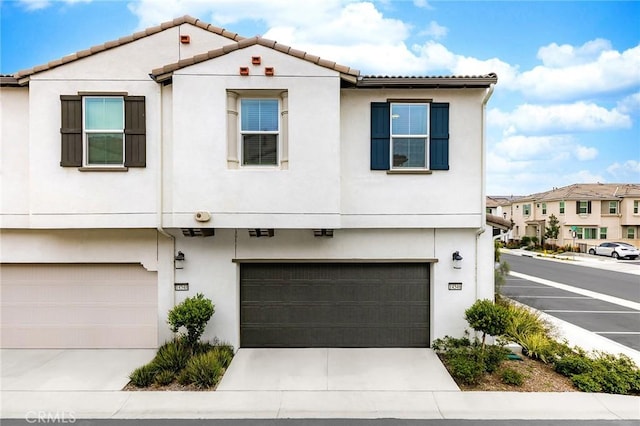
[(313, 205), (596, 212)]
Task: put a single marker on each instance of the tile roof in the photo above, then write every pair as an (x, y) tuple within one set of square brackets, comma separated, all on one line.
[(165, 73), (186, 19), (498, 222), (451, 81), (587, 191)]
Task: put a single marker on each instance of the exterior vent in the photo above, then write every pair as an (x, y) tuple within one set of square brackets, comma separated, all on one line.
[(261, 232), (269, 71), (185, 39), (198, 232), (256, 60), (323, 232), (203, 216), (244, 70)]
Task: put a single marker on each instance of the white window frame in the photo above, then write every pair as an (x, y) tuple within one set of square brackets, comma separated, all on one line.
[(425, 136), (613, 205), (631, 233), (85, 133), (526, 209), (636, 206), (544, 208), (590, 233), (603, 233), (586, 207), (561, 207), (241, 133)]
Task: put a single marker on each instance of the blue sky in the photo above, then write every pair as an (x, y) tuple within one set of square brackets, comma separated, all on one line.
[(566, 108)]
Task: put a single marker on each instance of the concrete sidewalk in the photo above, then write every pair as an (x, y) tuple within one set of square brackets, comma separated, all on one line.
[(321, 404)]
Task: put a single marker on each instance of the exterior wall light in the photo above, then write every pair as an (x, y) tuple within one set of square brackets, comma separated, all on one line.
[(457, 260), (179, 259)]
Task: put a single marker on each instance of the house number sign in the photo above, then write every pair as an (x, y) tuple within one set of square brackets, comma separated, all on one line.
[(455, 286), (181, 286)]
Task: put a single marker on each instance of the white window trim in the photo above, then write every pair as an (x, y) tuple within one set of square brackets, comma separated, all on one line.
[(85, 133), (241, 133), (426, 137), (234, 134)]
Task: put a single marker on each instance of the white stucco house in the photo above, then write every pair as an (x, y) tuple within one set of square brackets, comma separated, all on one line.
[(313, 205)]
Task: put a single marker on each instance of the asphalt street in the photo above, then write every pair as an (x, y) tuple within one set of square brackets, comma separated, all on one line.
[(611, 320)]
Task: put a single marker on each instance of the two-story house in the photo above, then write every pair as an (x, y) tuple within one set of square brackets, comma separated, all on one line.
[(313, 205), (587, 213)]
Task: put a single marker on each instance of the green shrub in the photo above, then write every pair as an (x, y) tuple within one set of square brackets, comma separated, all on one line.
[(537, 346), (509, 376), (173, 355), (487, 317), (586, 382), (522, 322), (224, 353), (448, 342), (571, 365), (493, 357), (193, 314), (164, 377), (144, 376), (203, 370), (466, 365)]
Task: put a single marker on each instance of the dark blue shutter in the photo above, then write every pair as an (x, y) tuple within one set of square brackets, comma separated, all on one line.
[(380, 136), (439, 137)]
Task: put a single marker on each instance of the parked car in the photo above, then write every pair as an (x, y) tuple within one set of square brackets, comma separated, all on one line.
[(616, 250)]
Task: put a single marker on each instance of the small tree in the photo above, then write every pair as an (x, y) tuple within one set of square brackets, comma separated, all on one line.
[(553, 229), (193, 314), (488, 318)]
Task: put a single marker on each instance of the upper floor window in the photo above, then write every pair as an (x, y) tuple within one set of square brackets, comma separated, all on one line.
[(561, 207), (613, 207), (526, 209), (101, 131), (409, 136), (636, 206), (259, 129), (583, 207), (544, 208)]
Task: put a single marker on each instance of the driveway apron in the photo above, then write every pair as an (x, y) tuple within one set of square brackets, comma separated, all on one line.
[(69, 369), (337, 369)]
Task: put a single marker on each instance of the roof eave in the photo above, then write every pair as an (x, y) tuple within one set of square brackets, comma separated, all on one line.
[(428, 82)]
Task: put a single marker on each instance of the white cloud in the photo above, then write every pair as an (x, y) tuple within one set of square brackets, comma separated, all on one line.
[(42, 4), (434, 30), (584, 153), (629, 104), (555, 56), (570, 73), (423, 4), (629, 171), (562, 118)]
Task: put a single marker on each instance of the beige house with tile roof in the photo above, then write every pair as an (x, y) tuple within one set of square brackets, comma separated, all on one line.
[(596, 212)]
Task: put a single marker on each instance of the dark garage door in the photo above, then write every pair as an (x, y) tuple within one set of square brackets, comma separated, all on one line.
[(334, 305)]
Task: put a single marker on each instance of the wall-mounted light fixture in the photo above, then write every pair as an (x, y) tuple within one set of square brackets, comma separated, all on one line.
[(457, 260), (179, 260)]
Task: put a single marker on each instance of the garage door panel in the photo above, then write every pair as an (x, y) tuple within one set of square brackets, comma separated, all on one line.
[(78, 306), (339, 305)]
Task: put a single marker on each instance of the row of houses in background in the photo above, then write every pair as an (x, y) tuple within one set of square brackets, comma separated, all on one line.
[(587, 213)]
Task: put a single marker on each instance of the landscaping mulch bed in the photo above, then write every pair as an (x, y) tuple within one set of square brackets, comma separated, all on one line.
[(538, 377)]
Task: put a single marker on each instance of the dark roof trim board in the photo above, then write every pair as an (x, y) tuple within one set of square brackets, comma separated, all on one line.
[(22, 76), (165, 73), (472, 81), (8, 81)]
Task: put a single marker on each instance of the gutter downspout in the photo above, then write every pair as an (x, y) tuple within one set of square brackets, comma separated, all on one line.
[(483, 190)]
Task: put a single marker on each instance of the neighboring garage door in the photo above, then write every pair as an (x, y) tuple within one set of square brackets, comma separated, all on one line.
[(78, 306), (334, 305)]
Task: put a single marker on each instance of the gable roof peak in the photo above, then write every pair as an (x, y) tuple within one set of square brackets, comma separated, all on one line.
[(22, 76)]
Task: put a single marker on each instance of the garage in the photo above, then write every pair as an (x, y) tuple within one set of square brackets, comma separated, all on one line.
[(351, 305), (78, 306)]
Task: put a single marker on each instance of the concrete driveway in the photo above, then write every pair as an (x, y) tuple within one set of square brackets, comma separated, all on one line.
[(69, 369), (333, 369)]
